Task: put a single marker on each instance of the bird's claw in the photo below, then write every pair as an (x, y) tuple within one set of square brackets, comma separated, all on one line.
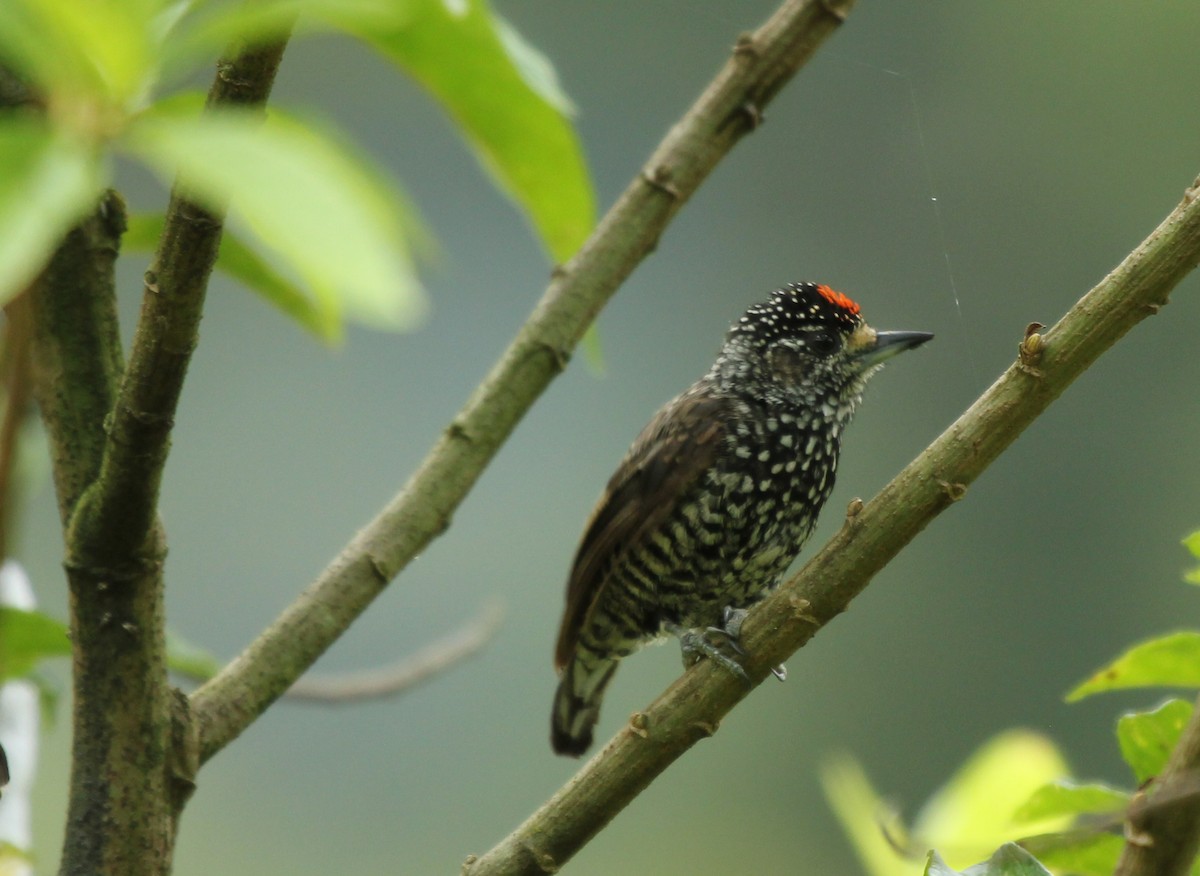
[(719, 644), (708, 643), (722, 644), (733, 618)]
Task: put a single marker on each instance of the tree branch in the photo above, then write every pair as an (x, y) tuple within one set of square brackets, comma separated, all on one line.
[(76, 350), (109, 443), (730, 107), (114, 521), (1162, 840), (387, 681), (692, 708)]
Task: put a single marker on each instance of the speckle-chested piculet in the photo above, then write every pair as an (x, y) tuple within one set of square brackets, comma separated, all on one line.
[(717, 495)]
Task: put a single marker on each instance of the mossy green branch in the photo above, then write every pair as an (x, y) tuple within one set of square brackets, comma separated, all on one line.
[(874, 532), (76, 349), (113, 525), (109, 435), (731, 106)]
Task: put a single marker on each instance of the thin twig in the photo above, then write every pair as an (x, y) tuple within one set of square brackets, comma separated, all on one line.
[(760, 65), (693, 707), (418, 668)]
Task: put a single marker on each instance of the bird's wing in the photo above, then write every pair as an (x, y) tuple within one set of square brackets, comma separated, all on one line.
[(673, 451)]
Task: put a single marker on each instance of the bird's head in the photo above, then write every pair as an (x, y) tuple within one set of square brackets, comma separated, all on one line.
[(807, 344)]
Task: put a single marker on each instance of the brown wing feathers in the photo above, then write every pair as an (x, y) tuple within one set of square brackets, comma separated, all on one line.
[(674, 449)]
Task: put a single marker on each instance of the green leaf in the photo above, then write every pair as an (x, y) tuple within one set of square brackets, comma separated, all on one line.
[(47, 185), (329, 218), (83, 51), (27, 637), (504, 96), (14, 859), (973, 812), (1080, 852), (593, 350), (238, 260), (1008, 860), (935, 866), (1064, 797), (1192, 543), (1172, 660), (858, 807), (1147, 738), (190, 660), (970, 815), (200, 29)]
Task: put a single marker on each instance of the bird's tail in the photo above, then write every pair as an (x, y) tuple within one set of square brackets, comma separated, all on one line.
[(577, 701)]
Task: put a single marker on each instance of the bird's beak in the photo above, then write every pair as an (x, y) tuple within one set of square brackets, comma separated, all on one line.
[(888, 344)]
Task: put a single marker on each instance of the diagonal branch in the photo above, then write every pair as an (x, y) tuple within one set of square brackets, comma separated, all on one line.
[(692, 708), (730, 107)]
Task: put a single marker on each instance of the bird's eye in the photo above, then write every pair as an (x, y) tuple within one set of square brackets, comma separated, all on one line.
[(822, 343)]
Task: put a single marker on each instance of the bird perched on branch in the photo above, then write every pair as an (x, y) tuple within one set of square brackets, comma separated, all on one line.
[(716, 496)]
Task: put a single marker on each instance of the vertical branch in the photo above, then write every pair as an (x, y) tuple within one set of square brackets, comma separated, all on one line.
[(117, 516), (132, 757), (76, 367)]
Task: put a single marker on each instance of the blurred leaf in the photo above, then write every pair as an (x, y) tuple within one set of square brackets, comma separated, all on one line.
[(199, 29), (1079, 852), (190, 660), (935, 866), (82, 51), (1064, 797), (973, 813), (859, 809), (968, 817), (1192, 543), (48, 184), (593, 350), (1147, 738), (27, 637), (504, 96), (14, 860), (242, 263), (1008, 860), (331, 219), (1172, 660)]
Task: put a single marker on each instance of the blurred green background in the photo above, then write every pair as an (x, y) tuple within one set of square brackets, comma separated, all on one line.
[(1053, 138)]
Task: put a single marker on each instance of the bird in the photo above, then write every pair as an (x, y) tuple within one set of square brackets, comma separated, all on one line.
[(716, 496)]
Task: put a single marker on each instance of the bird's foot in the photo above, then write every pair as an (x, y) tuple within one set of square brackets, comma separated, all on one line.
[(732, 620), (718, 644), (721, 644)]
